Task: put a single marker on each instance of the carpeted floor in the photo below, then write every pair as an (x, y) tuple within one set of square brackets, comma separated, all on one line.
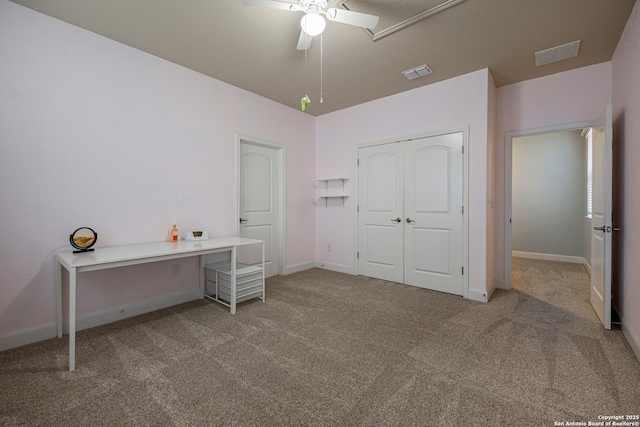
[(330, 349)]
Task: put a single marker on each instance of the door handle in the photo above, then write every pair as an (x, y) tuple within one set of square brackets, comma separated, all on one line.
[(603, 228), (409, 220), (396, 220), (243, 220)]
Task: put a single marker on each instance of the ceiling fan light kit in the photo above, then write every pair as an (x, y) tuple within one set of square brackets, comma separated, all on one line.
[(312, 24), (314, 11)]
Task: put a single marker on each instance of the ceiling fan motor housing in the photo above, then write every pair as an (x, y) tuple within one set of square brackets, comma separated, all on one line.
[(313, 6)]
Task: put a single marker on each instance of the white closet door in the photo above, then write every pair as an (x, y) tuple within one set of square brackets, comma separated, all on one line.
[(380, 226), (410, 220), (259, 204), (433, 228)]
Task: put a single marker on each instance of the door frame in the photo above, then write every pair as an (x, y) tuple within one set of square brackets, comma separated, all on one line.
[(465, 192), (281, 150), (508, 186)]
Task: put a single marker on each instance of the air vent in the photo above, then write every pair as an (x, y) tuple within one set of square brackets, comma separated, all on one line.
[(416, 72), (557, 53)]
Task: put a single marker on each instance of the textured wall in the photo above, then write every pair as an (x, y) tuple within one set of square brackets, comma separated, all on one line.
[(95, 133), (548, 193), (574, 96), (626, 136), (462, 101)]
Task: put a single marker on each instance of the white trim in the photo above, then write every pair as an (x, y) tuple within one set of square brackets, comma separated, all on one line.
[(299, 267), (28, 336), (340, 268), (492, 289), (465, 193), (633, 338), (282, 188), (508, 141), (356, 206), (480, 296), (548, 257), (48, 331), (499, 284), (586, 264)]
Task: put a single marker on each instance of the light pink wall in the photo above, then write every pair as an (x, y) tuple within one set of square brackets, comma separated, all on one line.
[(462, 101), (564, 98), (626, 117), (95, 133)]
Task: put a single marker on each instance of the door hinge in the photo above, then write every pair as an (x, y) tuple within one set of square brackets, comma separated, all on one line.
[(358, 162), (463, 271), (358, 208), (463, 210), (358, 255), (463, 149)]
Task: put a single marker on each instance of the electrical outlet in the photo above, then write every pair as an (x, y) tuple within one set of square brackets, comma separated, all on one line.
[(175, 269), (329, 248)]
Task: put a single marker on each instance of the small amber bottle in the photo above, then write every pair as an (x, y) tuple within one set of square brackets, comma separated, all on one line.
[(174, 233)]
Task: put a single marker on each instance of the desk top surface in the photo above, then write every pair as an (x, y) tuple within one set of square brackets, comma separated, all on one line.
[(112, 254)]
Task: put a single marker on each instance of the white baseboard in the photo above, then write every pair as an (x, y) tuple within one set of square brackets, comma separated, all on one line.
[(299, 267), (480, 296), (501, 284), (340, 268), (587, 265), (28, 336), (632, 337), (48, 331), (548, 257), (492, 289)]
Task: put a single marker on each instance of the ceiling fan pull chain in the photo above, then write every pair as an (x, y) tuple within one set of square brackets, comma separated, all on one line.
[(305, 62), (321, 99)]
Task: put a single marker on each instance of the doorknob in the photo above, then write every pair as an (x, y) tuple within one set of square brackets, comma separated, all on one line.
[(243, 220), (603, 228), (409, 220), (396, 220)]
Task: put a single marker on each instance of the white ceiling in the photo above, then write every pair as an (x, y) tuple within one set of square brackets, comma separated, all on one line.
[(255, 48)]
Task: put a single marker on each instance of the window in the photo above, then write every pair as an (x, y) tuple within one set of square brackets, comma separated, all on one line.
[(588, 134)]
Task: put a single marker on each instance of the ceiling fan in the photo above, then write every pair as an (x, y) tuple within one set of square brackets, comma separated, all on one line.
[(312, 22)]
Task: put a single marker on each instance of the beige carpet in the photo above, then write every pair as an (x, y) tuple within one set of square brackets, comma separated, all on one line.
[(329, 349)]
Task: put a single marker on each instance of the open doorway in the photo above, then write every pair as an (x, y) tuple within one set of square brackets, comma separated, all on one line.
[(546, 196)]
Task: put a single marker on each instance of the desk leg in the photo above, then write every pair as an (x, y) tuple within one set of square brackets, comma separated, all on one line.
[(72, 319), (59, 298), (202, 274), (264, 273), (233, 280)]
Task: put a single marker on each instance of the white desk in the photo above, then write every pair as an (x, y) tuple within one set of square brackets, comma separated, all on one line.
[(120, 256)]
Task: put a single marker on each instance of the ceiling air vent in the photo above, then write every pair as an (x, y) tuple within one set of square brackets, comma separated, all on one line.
[(416, 72), (557, 53)]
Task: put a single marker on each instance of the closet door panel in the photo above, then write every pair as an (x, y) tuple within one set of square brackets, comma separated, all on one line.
[(433, 192), (380, 237), (410, 220)]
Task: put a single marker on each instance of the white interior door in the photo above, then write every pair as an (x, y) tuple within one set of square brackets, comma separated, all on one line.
[(259, 204), (602, 143), (410, 220), (380, 211), (433, 192)]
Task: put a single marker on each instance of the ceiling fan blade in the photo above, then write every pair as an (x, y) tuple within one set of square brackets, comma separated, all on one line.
[(272, 4), (304, 42), (352, 18)]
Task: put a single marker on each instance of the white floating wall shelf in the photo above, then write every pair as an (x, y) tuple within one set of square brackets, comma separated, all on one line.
[(332, 193)]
